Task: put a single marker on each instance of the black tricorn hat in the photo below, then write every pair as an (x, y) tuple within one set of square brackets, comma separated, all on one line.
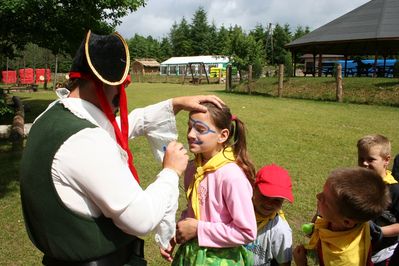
[(104, 56)]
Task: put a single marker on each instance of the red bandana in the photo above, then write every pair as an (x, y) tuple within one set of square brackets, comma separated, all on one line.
[(121, 134)]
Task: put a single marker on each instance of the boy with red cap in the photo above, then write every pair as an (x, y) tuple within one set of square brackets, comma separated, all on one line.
[(273, 245)]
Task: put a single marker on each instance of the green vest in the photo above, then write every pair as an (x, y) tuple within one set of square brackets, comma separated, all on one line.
[(53, 228)]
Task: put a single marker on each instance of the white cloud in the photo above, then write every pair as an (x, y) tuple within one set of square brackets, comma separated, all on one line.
[(157, 18)]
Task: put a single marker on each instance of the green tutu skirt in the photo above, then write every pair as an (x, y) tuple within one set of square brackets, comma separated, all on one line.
[(191, 253)]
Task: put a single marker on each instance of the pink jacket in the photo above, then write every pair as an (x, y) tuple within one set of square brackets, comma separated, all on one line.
[(227, 214)]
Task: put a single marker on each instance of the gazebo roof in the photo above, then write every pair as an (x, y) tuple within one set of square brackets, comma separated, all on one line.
[(372, 28)]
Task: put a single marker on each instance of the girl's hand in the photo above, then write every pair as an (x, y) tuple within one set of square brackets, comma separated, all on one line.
[(299, 255), (167, 253), (186, 229)]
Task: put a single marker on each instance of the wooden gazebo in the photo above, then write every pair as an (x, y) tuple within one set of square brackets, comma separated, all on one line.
[(371, 29)]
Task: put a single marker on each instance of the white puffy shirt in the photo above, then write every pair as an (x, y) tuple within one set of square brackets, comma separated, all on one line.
[(92, 177)]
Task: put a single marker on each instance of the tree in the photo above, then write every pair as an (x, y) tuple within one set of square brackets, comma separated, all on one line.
[(58, 25), (200, 33), (213, 44), (245, 51), (281, 37), (223, 41), (165, 49), (180, 39), (141, 47), (299, 32)]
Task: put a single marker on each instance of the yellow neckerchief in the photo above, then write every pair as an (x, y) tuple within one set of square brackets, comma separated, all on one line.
[(220, 159), (389, 179), (262, 221), (341, 248)]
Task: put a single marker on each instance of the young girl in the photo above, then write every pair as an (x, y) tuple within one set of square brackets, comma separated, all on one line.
[(220, 217)]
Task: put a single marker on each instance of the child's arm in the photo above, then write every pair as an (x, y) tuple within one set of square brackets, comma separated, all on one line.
[(299, 255), (390, 230)]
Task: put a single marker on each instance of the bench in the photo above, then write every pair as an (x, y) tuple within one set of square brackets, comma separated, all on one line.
[(29, 88)]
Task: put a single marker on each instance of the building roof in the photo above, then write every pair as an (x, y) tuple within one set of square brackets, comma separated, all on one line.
[(206, 59), (372, 28), (148, 62)]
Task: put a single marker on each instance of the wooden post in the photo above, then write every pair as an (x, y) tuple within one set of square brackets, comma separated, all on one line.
[(249, 79), (375, 66), (339, 83), (280, 80), (18, 123), (314, 65), (320, 65), (220, 75), (55, 72), (228, 78)]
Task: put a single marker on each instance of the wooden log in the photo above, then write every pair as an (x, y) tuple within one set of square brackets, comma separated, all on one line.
[(339, 90), (280, 80), (228, 78), (249, 89)]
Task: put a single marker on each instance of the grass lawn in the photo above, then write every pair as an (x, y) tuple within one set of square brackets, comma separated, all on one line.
[(309, 138)]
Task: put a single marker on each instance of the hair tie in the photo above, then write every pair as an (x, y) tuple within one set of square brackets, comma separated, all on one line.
[(233, 117)]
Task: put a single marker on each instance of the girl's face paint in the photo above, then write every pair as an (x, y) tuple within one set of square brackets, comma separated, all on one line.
[(202, 135)]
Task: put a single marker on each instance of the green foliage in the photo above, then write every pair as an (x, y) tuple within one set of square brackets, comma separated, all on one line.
[(4, 108), (288, 68), (165, 50), (281, 37), (179, 38), (33, 56), (64, 22), (141, 47), (245, 51), (200, 33)]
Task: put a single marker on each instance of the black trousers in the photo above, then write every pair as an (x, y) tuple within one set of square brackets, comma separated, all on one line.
[(130, 255)]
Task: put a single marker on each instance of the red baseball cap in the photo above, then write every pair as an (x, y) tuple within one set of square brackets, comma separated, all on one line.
[(274, 181)]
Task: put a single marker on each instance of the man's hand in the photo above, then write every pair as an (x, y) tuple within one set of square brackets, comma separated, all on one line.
[(186, 229), (167, 253), (299, 255), (193, 103), (176, 157)]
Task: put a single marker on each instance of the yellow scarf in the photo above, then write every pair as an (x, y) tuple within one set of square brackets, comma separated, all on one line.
[(389, 179), (220, 159), (262, 221), (341, 248)]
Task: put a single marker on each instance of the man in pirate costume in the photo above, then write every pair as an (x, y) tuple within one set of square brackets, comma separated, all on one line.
[(80, 191)]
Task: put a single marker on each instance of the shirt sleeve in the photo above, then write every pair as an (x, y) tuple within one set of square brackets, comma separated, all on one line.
[(157, 123), (282, 243), (92, 177), (237, 195)]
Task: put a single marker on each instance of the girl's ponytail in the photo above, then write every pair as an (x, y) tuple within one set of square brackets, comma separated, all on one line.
[(223, 118), (240, 149)]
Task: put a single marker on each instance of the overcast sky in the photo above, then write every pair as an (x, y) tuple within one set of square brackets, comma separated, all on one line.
[(158, 16)]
